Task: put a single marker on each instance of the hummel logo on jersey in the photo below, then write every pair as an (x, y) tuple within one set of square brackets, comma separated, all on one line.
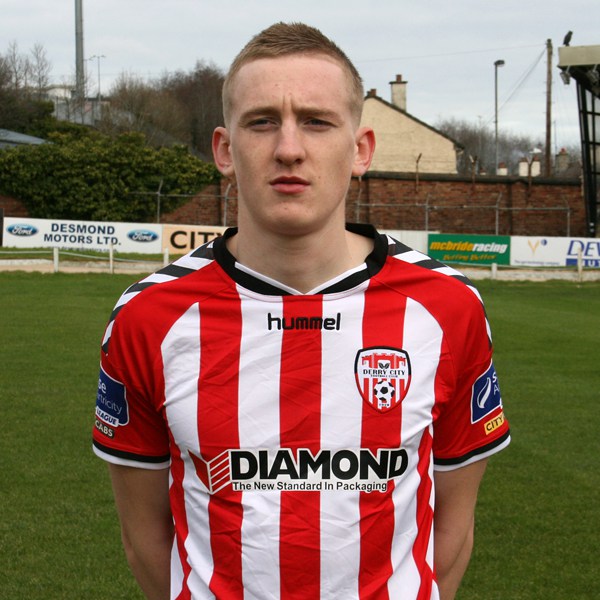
[(283, 470), (326, 323), (382, 376)]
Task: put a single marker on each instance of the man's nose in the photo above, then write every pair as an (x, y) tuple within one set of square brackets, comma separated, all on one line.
[(290, 147)]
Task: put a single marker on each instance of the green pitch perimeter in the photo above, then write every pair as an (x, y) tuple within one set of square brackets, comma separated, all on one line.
[(538, 530)]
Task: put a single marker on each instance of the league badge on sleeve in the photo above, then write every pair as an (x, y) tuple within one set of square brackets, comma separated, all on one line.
[(485, 396), (111, 404), (382, 376)]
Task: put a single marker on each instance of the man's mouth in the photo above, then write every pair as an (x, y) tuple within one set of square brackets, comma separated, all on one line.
[(289, 184)]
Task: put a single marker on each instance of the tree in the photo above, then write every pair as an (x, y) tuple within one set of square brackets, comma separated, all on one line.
[(22, 85), (182, 107), (142, 107), (40, 68), (199, 94), (94, 177), (19, 67), (480, 152)]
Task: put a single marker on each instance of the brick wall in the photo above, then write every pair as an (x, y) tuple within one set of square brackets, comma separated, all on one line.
[(486, 204), (206, 208), (12, 207), (506, 205)]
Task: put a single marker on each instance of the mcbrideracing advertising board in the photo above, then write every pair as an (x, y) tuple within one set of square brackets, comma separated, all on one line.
[(472, 249)]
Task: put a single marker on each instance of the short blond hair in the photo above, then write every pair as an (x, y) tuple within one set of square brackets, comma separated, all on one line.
[(284, 39)]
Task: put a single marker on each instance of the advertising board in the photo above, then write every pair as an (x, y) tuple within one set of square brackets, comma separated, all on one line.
[(472, 249), (179, 239), (555, 252), (417, 240), (24, 232), (145, 238)]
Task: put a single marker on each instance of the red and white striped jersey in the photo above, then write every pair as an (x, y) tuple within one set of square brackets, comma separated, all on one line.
[(301, 430)]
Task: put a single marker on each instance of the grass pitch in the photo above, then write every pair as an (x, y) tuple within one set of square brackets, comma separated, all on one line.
[(538, 527)]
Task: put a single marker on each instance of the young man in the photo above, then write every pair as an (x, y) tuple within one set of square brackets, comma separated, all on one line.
[(277, 406)]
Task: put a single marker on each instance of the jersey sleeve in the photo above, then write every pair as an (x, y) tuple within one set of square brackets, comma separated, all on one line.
[(470, 424), (129, 426)]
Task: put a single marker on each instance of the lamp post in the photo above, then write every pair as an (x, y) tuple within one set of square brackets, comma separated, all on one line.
[(98, 57), (498, 63)]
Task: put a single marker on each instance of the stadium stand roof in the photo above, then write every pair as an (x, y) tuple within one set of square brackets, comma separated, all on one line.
[(582, 63)]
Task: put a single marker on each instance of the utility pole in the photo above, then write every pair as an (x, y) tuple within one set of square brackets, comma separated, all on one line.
[(498, 63), (548, 159)]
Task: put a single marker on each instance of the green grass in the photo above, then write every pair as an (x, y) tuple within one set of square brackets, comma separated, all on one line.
[(58, 532), (538, 518), (538, 524)]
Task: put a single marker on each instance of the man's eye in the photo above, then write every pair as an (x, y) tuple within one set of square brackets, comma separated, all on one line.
[(260, 123), (318, 123)]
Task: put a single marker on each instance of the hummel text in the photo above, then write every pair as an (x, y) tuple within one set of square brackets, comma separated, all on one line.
[(327, 323)]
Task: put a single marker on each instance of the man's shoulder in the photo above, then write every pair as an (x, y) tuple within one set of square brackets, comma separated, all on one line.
[(427, 274), (444, 292), (154, 297)]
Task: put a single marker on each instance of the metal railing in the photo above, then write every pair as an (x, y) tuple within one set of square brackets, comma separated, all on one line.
[(108, 262), (429, 207)]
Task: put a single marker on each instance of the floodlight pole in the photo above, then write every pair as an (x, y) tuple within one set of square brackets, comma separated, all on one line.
[(498, 63), (79, 70), (548, 158)]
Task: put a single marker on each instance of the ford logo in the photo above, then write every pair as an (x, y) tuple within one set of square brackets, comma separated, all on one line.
[(22, 229), (142, 235)]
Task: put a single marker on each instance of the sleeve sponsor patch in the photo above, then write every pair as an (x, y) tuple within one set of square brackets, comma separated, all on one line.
[(485, 397), (111, 401), (494, 423)]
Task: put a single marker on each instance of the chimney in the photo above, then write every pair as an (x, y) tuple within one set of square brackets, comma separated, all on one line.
[(372, 93), (563, 161), (399, 92), (536, 167), (523, 167)]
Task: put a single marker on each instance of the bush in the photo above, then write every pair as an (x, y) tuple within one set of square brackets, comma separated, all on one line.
[(95, 177)]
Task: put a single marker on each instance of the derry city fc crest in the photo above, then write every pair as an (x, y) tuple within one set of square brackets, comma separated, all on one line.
[(382, 376)]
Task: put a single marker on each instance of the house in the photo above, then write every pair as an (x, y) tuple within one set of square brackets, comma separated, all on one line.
[(67, 107), (403, 142)]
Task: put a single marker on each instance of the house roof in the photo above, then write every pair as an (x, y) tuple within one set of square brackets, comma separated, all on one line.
[(373, 96), (12, 139)]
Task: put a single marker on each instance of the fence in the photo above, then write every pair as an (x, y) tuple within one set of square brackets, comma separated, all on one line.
[(472, 217), (59, 259), (431, 213)]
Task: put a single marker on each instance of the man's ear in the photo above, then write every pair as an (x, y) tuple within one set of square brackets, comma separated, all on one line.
[(365, 147), (222, 151)]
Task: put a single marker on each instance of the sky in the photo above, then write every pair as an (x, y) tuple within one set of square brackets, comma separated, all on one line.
[(444, 50)]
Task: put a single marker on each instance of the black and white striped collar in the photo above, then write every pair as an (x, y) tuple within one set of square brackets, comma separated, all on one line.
[(264, 285)]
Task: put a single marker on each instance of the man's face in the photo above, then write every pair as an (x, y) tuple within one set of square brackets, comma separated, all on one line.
[(291, 143)]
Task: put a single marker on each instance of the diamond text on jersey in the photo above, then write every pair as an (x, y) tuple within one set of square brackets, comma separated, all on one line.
[(283, 470)]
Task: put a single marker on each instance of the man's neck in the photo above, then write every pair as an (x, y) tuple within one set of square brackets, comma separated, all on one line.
[(300, 262)]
